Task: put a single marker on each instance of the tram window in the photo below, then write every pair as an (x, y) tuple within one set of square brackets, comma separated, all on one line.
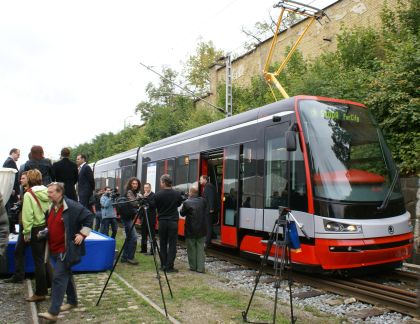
[(248, 172), (97, 183), (111, 179), (149, 175), (230, 185), (160, 171), (170, 168), (103, 180), (276, 187), (117, 185), (126, 173), (193, 170), (276, 177), (181, 174)]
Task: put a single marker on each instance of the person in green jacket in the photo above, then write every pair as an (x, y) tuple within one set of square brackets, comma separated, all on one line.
[(35, 204)]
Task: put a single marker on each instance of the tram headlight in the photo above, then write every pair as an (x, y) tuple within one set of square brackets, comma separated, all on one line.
[(332, 226)]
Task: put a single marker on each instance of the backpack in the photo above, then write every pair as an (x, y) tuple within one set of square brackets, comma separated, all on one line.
[(125, 209)]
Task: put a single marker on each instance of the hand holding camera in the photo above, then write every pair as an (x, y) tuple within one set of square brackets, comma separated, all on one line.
[(42, 235)]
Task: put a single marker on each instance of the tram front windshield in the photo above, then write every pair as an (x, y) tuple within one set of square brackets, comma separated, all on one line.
[(348, 157)]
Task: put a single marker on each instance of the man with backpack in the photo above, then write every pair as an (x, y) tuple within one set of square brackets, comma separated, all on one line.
[(195, 210)]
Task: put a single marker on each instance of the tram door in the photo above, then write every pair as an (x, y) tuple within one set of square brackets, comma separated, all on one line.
[(230, 215), (212, 166)]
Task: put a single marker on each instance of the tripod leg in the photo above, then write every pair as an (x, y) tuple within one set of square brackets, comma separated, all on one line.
[(289, 278), (146, 216), (118, 258), (257, 279)]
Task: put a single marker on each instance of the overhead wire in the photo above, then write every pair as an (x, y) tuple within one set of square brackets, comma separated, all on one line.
[(183, 88)]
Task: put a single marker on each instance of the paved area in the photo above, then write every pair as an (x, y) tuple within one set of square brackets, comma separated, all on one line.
[(13, 307), (118, 303)]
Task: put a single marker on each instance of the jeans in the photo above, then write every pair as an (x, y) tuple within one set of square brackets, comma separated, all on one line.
[(168, 235), (105, 226), (63, 283), (98, 218), (196, 255), (131, 240)]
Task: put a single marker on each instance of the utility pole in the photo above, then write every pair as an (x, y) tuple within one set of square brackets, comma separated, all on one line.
[(228, 106)]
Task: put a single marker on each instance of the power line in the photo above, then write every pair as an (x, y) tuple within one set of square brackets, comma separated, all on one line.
[(185, 89)]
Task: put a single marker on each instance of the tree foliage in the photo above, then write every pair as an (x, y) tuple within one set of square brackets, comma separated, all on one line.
[(196, 69)]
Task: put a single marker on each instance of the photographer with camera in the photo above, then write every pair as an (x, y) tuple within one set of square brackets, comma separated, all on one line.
[(167, 202), (108, 214), (127, 212), (21, 245)]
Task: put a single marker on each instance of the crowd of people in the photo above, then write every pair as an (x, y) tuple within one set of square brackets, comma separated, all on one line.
[(55, 206)]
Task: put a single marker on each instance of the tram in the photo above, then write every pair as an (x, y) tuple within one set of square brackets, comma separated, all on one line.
[(324, 158)]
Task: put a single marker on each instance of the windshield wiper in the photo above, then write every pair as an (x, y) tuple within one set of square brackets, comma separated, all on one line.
[(389, 193)]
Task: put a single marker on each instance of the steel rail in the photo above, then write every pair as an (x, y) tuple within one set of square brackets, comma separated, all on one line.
[(395, 299)]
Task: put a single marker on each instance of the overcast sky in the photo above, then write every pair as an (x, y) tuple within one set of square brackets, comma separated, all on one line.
[(69, 70)]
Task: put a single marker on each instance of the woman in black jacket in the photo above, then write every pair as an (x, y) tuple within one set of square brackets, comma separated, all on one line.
[(37, 161)]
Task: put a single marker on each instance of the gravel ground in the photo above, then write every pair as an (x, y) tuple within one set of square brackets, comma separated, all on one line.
[(336, 305), (14, 308)]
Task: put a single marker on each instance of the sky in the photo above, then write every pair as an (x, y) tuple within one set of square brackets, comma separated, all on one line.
[(70, 70)]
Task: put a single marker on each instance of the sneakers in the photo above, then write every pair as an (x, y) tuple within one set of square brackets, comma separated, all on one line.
[(35, 298), (67, 307), (131, 261), (48, 316)]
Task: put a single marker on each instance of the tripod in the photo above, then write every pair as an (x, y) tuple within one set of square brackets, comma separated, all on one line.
[(153, 245), (281, 260)]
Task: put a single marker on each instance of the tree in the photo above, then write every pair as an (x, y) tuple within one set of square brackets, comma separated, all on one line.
[(196, 68), (262, 30)]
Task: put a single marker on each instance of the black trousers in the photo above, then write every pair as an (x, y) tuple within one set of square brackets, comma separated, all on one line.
[(38, 253), (168, 237), (20, 256), (145, 232), (209, 221)]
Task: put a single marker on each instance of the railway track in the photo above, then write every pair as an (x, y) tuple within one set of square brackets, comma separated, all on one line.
[(395, 299), (399, 299)]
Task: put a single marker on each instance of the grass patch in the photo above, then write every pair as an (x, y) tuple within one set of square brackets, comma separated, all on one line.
[(198, 298)]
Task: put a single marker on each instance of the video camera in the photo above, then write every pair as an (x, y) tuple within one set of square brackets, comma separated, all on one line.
[(16, 208), (114, 194), (184, 196)]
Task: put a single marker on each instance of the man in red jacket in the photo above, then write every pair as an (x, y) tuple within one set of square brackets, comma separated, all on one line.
[(68, 225)]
